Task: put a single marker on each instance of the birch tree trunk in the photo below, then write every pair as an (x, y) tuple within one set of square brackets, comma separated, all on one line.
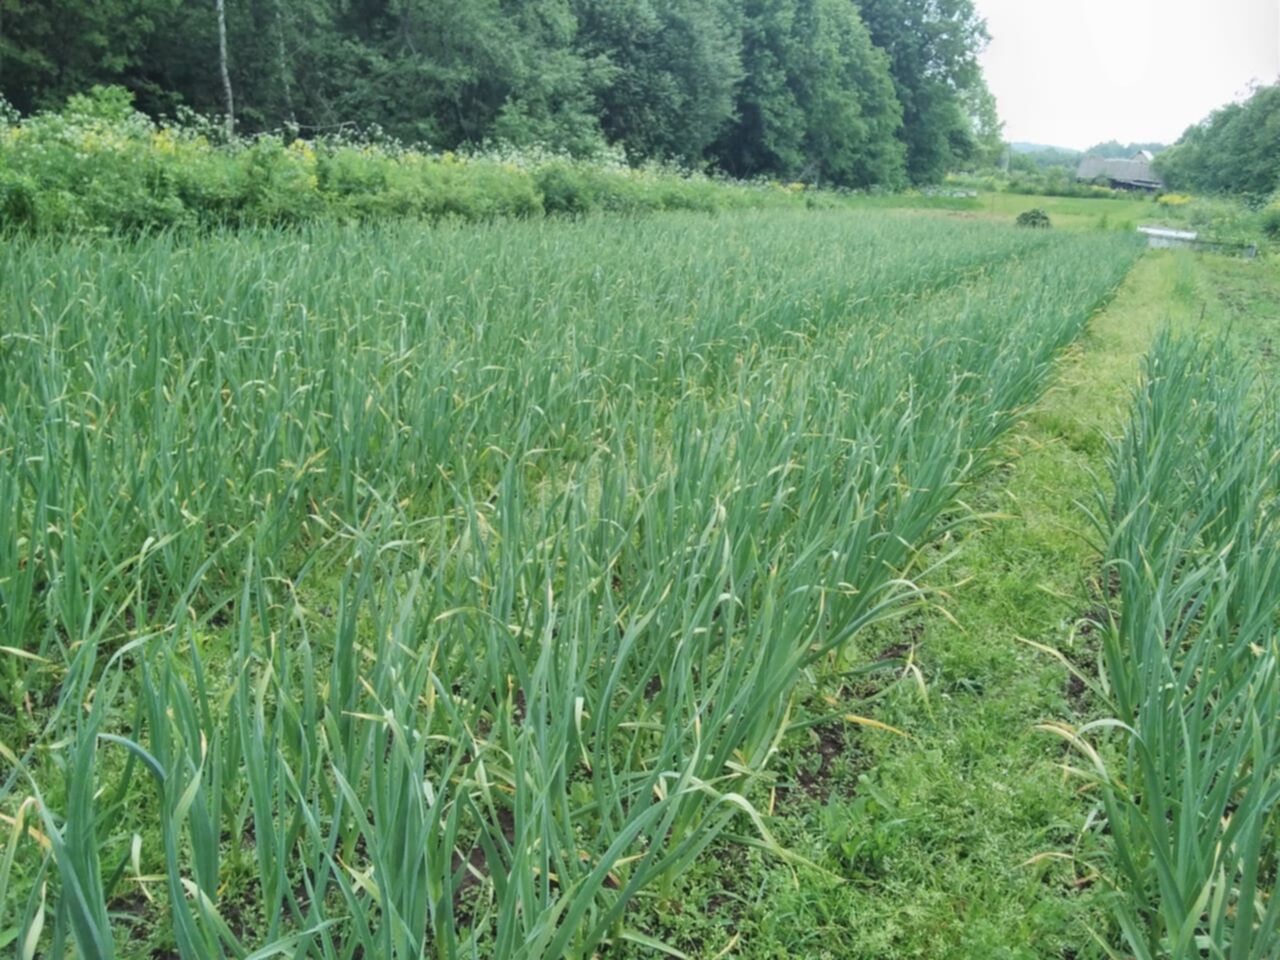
[(284, 64), (222, 65)]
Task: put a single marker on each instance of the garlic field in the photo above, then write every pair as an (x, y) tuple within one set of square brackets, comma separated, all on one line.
[(450, 591)]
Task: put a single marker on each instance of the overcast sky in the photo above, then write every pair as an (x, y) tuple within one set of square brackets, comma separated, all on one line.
[(1073, 73)]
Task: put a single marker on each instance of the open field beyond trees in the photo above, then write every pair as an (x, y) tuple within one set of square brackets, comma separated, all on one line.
[(789, 582)]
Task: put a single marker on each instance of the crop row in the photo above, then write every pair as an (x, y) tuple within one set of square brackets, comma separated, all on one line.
[(1187, 761)]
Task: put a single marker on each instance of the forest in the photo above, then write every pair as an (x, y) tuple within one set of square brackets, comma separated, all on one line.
[(832, 92), (1232, 151)]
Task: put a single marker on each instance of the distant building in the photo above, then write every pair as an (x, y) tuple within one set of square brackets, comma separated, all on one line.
[(1132, 174)]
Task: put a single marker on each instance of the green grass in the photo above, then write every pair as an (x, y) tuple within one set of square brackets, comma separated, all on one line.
[(1242, 297), (1074, 213), (1069, 213)]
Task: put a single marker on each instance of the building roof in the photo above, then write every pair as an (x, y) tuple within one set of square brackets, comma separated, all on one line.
[(1136, 171)]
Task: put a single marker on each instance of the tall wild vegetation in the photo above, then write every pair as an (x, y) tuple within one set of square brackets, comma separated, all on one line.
[(99, 165)]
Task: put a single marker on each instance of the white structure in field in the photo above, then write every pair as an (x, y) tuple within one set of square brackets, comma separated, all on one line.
[(1166, 237)]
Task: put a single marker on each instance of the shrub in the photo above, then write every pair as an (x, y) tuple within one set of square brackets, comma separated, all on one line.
[(1271, 221), (1034, 217), (565, 189), (17, 200)]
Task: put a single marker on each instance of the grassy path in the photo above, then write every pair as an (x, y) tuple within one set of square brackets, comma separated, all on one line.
[(935, 843)]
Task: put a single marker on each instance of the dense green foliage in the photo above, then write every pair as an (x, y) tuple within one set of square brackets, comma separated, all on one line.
[(1028, 158), (834, 91), (389, 591), (1034, 217), (675, 68), (932, 47), (1232, 151), (98, 165), (816, 99), (1114, 149), (1056, 182)]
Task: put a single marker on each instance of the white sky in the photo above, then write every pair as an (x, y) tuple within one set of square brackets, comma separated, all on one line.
[(1073, 73)]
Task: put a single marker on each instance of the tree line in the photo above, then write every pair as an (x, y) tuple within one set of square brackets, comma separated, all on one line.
[(1115, 150), (835, 92), (1235, 150)]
